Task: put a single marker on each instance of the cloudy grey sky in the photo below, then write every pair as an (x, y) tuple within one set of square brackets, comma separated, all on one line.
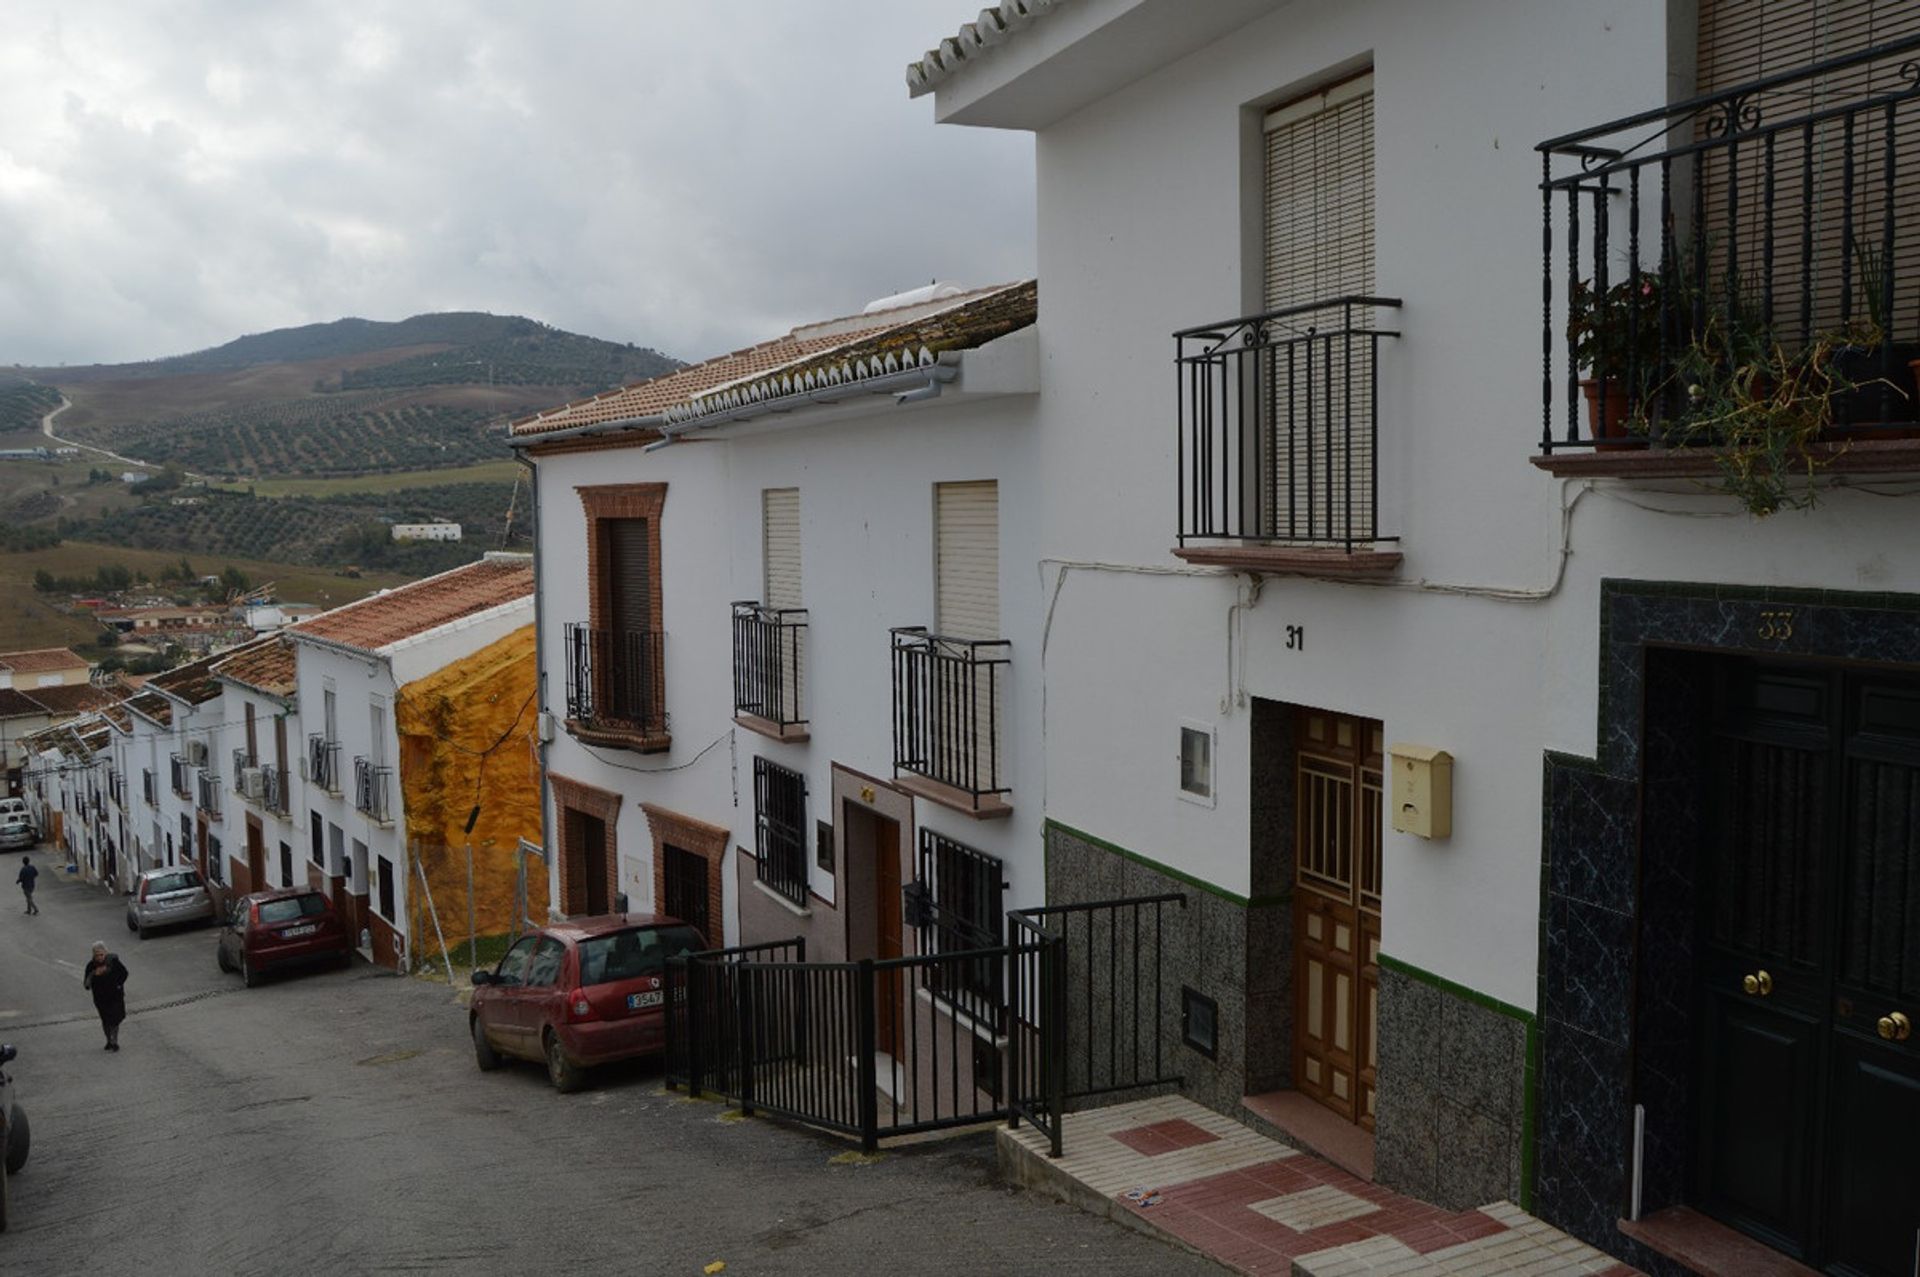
[(687, 174)]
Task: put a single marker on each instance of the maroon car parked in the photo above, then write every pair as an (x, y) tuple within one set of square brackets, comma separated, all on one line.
[(276, 929), (579, 993)]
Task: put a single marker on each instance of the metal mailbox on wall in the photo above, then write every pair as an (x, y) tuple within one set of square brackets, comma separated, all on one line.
[(1422, 790)]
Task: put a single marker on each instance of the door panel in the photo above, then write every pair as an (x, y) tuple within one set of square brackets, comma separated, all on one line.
[(1757, 1113), (1875, 1192)]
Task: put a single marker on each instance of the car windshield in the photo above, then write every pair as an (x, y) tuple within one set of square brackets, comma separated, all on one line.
[(185, 880), (627, 955), (292, 907)]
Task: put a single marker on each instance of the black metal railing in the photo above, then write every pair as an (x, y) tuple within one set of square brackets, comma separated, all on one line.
[(1279, 425), (1090, 1006), (370, 786), (273, 789), (780, 831), (180, 776), (768, 663), (242, 763), (947, 709), (323, 763), (1745, 256), (616, 679), (208, 799), (956, 904), (147, 790)]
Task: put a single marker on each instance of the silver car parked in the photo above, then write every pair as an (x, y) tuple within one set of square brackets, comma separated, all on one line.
[(17, 834), (166, 897)]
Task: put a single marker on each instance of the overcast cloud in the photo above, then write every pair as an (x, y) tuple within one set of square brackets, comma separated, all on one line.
[(692, 176)]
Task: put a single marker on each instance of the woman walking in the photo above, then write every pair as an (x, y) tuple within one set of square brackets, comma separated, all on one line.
[(107, 977)]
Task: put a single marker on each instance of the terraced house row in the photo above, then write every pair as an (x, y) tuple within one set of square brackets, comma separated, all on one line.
[(348, 753), (1402, 636)]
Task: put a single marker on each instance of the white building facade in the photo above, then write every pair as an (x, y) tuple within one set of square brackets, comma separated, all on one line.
[(1295, 557)]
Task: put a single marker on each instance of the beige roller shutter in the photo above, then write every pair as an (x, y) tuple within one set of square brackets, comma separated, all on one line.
[(780, 546), (1319, 244), (967, 560), (1741, 41)]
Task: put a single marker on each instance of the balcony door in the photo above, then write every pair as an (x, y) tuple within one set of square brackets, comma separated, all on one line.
[(1807, 1097), (1318, 246), (623, 687), (966, 604), (1338, 800)]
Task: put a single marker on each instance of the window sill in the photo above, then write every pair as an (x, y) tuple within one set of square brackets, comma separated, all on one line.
[(987, 807), (618, 738), (1857, 456), (1294, 560), (792, 733), (798, 911)]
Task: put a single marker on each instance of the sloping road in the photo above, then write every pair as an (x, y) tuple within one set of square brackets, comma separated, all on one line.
[(336, 1123), (46, 428)]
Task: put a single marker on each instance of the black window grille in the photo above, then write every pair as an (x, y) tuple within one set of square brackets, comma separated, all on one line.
[(216, 863), (386, 888), (286, 864), (780, 828), (319, 852), (686, 888), (960, 909)]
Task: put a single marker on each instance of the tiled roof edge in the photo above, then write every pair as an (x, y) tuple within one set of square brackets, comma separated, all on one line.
[(993, 28)]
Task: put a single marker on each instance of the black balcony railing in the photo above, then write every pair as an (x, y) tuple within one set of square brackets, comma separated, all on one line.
[(1279, 425), (323, 763), (180, 776), (208, 797), (147, 788), (616, 679), (370, 786), (1737, 262), (273, 789), (768, 663), (242, 763), (947, 709)]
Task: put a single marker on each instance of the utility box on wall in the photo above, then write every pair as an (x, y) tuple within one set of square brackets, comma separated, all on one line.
[(1422, 790)]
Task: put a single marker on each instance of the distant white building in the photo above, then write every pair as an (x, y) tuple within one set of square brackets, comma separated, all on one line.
[(438, 530), (134, 476)]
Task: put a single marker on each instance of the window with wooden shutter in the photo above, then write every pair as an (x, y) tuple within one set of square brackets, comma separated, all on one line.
[(967, 560), (780, 546), (1319, 245), (1783, 215), (782, 650), (628, 575)]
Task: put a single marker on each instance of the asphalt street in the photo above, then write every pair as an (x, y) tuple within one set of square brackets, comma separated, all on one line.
[(335, 1122)]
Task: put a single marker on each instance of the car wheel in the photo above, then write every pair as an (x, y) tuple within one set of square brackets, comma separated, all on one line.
[(134, 926), (483, 1053), (142, 932), (562, 1072), (19, 1140), (5, 1193), (220, 956), (248, 976)]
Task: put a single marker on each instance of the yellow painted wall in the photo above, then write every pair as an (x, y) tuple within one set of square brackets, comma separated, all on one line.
[(468, 734)]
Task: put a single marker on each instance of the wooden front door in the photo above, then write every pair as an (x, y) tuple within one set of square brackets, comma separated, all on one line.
[(1807, 1096), (889, 984), (256, 858), (1336, 910), (685, 889)]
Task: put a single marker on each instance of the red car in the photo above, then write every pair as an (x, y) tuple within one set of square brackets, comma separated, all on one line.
[(275, 929), (579, 993)]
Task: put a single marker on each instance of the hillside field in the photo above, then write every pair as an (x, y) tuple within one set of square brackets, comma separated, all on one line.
[(505, 471)]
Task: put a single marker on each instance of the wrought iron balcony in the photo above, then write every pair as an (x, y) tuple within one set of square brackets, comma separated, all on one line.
[(208, 797), (947, 696), (616, 684), (769, 647), (1746, 260), (370, 786), (147, 788), (1279, 426), (242, 762), (180, 776), (273, 789), (323, 763)]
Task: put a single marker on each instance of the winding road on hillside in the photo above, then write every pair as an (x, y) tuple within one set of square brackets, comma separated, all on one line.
[(46, 428)]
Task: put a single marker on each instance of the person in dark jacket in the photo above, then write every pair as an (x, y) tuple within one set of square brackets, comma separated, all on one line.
[(107, 977), (27, 874)]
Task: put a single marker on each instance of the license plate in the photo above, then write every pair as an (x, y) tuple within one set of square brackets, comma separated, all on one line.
[(652, 998), (299, 931)]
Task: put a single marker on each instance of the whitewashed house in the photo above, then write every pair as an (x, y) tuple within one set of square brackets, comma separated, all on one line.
[(264, 743), (1545, 816), (350, 663)]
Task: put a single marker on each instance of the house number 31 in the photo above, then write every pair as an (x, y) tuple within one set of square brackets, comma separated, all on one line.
[(1776, 627), (1296, 638)]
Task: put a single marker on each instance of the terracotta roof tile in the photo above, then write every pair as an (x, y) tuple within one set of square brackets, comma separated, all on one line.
[(42, 660), (193, 682), (265, 667), (154, 706), (384, 619), (905, 327), (16, 704), (74, 698), (993, 28)]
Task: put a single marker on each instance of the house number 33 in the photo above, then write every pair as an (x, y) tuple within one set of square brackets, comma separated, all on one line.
[(1776, 627)]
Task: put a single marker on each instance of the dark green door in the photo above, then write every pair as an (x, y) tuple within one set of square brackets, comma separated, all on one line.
[(1807, 1096)]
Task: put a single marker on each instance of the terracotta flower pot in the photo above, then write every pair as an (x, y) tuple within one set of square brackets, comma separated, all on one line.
[(1613, 424)]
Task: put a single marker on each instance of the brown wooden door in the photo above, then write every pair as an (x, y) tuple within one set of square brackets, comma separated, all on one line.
[(1336, 912), (256, 859), (887, 930)]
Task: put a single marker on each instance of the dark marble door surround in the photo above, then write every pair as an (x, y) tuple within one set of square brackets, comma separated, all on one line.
[(1617, 890)]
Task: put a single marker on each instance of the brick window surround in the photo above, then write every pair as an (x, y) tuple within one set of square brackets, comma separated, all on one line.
[(603, 805), (603, 502), (709, 842)]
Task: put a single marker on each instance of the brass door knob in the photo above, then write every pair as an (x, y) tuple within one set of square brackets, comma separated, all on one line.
[(1759, 984), (1896, 1027)]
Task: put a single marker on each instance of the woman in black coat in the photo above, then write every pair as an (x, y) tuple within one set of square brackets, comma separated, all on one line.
[(107, 977)]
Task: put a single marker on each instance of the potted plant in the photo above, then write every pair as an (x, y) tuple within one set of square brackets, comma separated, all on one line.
[(1616, 342), (1882, 372)]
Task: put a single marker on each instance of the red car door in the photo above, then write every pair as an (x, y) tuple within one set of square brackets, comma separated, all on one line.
[(500, 1004), (544, 992)]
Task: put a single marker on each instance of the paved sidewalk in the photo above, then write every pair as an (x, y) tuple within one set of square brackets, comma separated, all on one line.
[(1169, 1166)]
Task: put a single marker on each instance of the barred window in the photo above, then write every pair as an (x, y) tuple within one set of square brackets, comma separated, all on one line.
[(780, 828), (960, 892)]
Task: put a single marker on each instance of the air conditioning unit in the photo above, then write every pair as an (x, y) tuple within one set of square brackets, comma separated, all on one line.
[(253, 784), (196, 753)]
